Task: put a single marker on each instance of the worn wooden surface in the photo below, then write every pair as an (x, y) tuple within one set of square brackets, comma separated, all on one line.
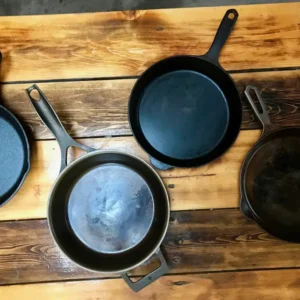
[(126, 43), (212, 186), (213, 254), (269, 285), (197, 241), (99, 108)]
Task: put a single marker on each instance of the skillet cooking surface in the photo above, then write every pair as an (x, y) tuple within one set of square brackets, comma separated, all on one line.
[(111, 208), (273, 179), (183, 114), (14, 155)]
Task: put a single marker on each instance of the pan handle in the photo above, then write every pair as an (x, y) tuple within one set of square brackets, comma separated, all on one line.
[(51, 120), (151, 277), (222, 35), (262, 116)]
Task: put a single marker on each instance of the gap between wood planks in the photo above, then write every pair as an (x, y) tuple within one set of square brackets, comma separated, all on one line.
[(283, 284), (137, 277), (136, 77)]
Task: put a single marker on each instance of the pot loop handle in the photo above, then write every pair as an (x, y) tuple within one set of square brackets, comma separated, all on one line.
[(151, 277), (51, 120)]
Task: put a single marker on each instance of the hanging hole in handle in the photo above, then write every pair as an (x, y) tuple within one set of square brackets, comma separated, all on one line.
[(256, 101), (35, 95), (231, 16)]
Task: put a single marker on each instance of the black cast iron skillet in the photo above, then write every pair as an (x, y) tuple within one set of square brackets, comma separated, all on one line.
[(108, 211), (14, 154), (186, 111), (270, 176)]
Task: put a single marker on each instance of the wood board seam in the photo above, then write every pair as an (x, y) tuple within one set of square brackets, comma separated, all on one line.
[(238, 71), (70, 79), (237, 208), (166, 275)]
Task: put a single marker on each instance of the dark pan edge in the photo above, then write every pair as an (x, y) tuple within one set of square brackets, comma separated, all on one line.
[(243, 194), (26, 166)]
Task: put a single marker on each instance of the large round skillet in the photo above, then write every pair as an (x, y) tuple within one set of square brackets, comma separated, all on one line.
[(184, 110), (14, 154), (108, 211), (270, 176)]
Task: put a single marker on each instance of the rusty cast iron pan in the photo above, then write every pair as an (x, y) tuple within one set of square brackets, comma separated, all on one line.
[(270, 176)]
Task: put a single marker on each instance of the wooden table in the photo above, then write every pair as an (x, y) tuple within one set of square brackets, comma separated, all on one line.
[(87, 64)]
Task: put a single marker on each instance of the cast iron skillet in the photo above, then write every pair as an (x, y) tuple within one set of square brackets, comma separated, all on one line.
[(270, 177), (14, 154), (108, 211), (186, 111)]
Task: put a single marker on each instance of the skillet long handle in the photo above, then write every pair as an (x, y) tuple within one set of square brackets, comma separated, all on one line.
[(222, 35), (51, 120), (262, 116)]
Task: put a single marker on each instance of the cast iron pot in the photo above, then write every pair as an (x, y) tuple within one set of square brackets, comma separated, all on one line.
[(108, 211)]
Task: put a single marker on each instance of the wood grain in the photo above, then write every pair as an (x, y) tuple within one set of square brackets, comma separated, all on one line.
[(266, 285), (126, 43), (221, 243), (212, 186), (197, 241), (99, 108)]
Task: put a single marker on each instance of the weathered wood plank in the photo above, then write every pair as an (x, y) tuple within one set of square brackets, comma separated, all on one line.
[(197, 241), (86, 108), (126, 43), (267, 285), (99, 108), (212, 186)]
